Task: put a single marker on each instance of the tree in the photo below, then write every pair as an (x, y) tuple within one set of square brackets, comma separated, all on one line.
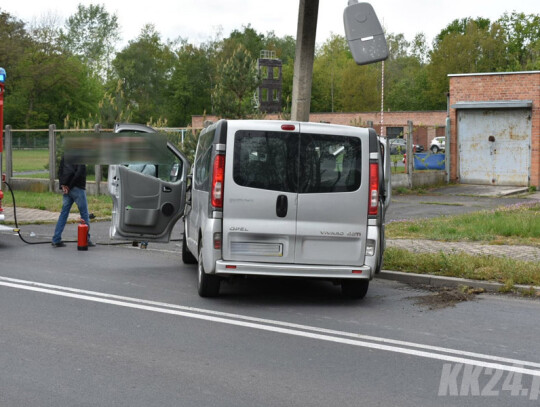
[(284, 47), (522, 34), (238, 80), (191, 83), (146, 66), (91, 34), (407, 85), (252, 41), (328, 68), (459, 26), (114, 107), (474, 48), (360, 87), (405, 73), (47, 85), (14, 39)]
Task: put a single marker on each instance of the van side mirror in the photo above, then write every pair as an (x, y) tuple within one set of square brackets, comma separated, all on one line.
[(364, 33)]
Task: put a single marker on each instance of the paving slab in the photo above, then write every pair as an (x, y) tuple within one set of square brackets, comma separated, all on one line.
[(27, 215)]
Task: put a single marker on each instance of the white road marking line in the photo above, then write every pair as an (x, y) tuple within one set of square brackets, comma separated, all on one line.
[(278, 323), (275, 326)]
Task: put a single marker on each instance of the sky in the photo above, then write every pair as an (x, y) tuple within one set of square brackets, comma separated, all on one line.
[(201, 20)]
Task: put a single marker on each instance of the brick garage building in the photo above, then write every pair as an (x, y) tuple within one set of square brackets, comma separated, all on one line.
[(495, 128)]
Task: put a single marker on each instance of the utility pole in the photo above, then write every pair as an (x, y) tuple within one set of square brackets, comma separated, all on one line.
[(303, 62)]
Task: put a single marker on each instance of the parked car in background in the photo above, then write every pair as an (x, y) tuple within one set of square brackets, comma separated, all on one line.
[(399, 146), (437, 144)]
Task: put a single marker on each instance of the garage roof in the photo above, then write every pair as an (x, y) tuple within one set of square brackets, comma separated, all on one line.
[(498, 104)]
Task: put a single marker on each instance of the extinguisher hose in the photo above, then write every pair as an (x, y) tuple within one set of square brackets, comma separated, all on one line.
[(17, 229)]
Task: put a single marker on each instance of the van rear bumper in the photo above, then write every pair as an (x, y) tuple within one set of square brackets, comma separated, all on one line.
[(230, 268)]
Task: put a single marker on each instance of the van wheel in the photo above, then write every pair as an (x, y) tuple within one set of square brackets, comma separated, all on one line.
[(435, 149), (207, 284), (354, 289), (187, 257)]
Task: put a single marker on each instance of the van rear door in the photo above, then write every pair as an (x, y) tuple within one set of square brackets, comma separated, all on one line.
[(333, 196), (260, 199)]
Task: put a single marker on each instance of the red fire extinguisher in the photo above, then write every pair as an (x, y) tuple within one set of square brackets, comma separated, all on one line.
[(82, 236)]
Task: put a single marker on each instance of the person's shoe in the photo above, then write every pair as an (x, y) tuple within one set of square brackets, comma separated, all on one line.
[(91, 244), (59, 244)]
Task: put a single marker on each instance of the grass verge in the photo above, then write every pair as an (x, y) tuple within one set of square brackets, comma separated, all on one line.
[(30, 160), (503, 270), (514, 224), (99, 205)]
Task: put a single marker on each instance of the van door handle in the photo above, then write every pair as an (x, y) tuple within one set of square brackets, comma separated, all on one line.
[(167, 189), (282, 206)]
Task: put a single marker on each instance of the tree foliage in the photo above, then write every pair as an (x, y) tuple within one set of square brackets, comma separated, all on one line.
[(73, 73), (91, 34), (146, 67), (191, 83), (237, 81)]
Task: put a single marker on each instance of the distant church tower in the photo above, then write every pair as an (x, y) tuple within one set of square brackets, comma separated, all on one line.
[(269, 92)]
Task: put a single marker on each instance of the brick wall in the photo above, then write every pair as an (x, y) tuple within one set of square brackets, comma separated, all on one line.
[(432, 121), (498, 87)]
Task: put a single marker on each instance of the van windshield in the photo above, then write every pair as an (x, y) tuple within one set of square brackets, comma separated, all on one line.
[(289, 162)]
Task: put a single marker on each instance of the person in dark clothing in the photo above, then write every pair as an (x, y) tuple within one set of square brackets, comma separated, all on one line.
[(72, 180)]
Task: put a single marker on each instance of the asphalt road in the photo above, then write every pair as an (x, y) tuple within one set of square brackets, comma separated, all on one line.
[(121, 326)]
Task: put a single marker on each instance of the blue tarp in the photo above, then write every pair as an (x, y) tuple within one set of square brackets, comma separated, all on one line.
[(429, 161)]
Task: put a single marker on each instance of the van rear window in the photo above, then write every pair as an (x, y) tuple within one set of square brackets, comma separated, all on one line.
[(329, 163), (266, 160), (289, 162)]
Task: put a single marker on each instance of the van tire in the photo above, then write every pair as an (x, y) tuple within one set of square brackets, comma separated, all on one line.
[(354, 289), (207, 284), (187, 256)]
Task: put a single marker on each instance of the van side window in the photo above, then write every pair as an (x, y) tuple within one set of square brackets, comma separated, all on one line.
[(266, 160), (202, 164), (202, 171), (329, 163)]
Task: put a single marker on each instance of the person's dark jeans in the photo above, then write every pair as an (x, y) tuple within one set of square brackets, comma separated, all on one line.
[(78, 196)]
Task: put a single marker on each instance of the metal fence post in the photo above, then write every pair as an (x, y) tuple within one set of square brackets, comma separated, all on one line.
[(97, 168), (52, 157), (410, 155), (9, 153)]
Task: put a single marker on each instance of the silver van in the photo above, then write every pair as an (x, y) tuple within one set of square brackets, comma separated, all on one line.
[(269, 198)]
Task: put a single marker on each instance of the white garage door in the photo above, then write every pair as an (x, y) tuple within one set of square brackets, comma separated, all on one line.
[(494, 146)]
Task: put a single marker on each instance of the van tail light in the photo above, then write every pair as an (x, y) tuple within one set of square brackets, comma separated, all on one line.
[(373, 208), (218, 178), (1, 197)]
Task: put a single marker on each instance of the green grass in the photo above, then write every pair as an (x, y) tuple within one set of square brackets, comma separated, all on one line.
[(99, 205), (29, 160), (33, 160), (515, 224), (489, 268)]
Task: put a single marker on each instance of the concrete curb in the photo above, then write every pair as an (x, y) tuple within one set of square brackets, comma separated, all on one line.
[(442, 281)]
